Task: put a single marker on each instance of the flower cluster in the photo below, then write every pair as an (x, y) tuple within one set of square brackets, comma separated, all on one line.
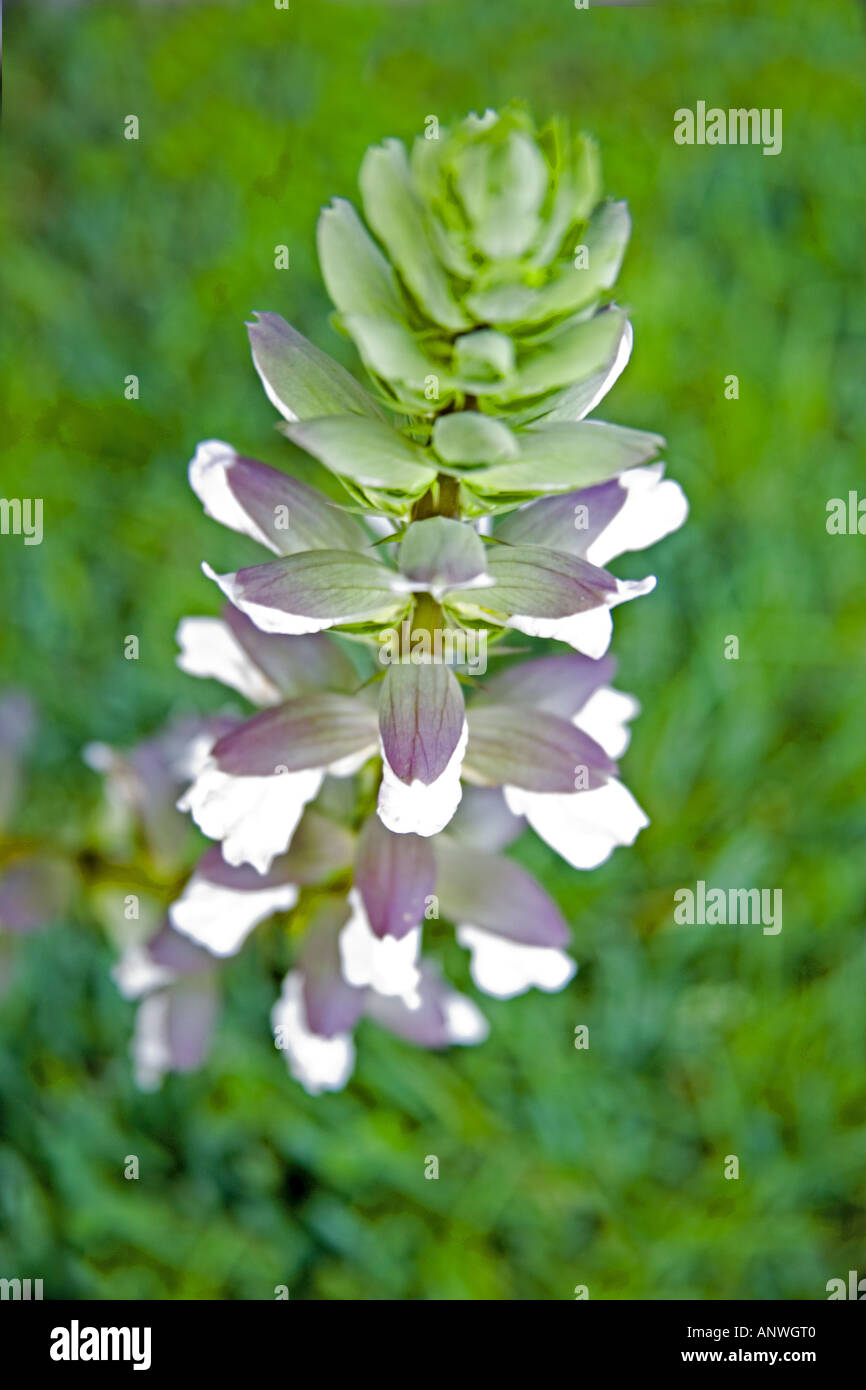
[(387, 769)]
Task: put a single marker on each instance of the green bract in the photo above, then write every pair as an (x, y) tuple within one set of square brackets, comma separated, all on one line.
[(486, 271)]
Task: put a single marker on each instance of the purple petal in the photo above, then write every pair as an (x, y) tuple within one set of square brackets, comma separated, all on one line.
[(561, 523), (560, 684), (544, 754), (193, 1006), (421, 718), (395, 875), (443, 1016), (176, 952), (483, 819), (310, 661), (308, 732), (487, 891), (332, 1006), (266, 504)]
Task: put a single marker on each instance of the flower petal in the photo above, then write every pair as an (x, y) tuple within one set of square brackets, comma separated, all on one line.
[(385, 964), (544, 754), (173, 1029), (221, 904), (559, 684), (274, 509), (423, 737), (395, 875), (588, 632), (319, 1063), (254, 817), (605, 717), (631, 512), (264, 667), (208, 648), (484, 890), (584, 828), (137, 973), (332, 1005), (484, 820), (253, 790), (440, 1018), (143, 783), (505, 969), (653, 507)]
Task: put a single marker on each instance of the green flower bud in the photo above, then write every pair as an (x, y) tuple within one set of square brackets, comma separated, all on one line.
[(490, 274)]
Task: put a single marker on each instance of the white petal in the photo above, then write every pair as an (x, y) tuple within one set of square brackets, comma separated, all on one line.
[(209, 648), (653, 508), (588, 632), (320, 1064), (604, 717), (254, 817), (221, 918), (584, 827), (151, 1051), (387, 965), (506, 968), (465, 1022), (136, 973), (207, 478), (422, 808)]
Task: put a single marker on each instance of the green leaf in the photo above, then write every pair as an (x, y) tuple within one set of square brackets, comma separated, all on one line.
[(502, 185), (391, 350), (369, 452), (484, 356), (573, 287), (568, 356), (396, 216), (441, 553), (358, 277), (300, 380), (467, 437), (563, 456)]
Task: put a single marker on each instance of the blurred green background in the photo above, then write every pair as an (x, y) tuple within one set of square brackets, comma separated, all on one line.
[(557, 1167)]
